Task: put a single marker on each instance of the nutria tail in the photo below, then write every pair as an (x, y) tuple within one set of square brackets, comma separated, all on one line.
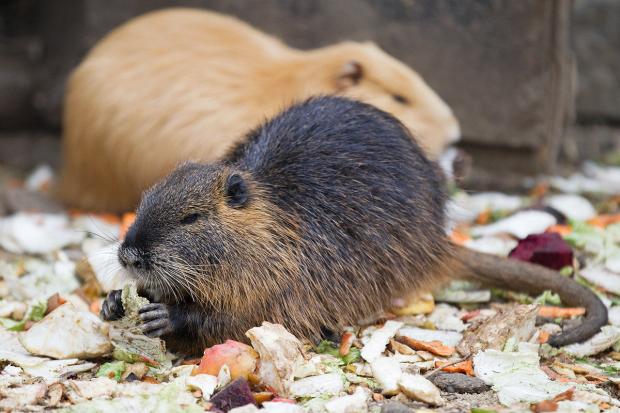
[(534, 279)]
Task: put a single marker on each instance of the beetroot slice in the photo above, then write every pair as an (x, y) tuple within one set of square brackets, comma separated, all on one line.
[(236, 394), (547, 249)]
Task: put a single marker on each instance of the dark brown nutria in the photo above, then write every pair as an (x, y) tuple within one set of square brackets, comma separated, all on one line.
[(325, 214)]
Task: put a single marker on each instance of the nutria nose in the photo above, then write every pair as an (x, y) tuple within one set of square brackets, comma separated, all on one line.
[(130, 257)]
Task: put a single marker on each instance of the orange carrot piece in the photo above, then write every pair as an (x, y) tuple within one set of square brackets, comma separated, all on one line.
[(465, 367), (345, 343), (435, 347), (567, 395), (560, 312), (484, 217), (601, 221), (552, 405), (544, 406), (543, 336), (560, 229), (459, 237), (262, 396)]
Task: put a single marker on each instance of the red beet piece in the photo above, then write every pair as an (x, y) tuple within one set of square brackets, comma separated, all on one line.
[(236, 394), (547, 249)]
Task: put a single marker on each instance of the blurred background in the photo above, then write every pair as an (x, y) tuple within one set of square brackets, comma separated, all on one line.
[(535, 84)]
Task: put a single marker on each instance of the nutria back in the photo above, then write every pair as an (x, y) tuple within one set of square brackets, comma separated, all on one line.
[(324, 215)]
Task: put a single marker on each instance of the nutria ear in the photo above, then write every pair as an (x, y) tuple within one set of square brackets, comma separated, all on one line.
[(350, 74), (236, 191)]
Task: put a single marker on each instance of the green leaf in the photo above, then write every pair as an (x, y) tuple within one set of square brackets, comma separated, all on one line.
[(548, 298), (584, 235), (327, 347), (36, 312), (521, 298), (8, 323), (353, 356), (19, 326), (481, 410), (113, 370)]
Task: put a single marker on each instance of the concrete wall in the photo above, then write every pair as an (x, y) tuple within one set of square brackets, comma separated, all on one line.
[(596, 40)]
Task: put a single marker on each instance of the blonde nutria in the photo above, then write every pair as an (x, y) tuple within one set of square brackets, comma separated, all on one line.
[(183, 84), (326, 213)]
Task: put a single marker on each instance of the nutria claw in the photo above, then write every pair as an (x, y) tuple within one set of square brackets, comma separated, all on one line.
[(112, 308), (156, 318)]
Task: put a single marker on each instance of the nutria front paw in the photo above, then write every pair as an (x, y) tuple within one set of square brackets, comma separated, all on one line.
[(112, 308), (156, 318)]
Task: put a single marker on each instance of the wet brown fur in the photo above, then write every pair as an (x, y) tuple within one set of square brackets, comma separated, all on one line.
[(337, 224)]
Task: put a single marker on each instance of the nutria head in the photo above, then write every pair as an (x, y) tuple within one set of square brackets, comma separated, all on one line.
[(364, 72), (200, 225)]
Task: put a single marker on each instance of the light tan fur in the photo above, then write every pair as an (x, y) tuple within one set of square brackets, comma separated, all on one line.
[(182, 84)]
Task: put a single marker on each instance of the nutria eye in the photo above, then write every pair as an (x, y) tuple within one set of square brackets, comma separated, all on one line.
[(401, 99), (190, 219)]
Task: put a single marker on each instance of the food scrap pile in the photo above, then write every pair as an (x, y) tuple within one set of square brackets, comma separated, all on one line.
[(463, 348)]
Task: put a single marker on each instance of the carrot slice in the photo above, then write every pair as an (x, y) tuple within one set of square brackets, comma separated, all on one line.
[(459, 237), (543, 336), (345, 343), (562, 230), (484, 217), (435, 347), (465, 367), (601, 221), (262, 396), (560, 312)]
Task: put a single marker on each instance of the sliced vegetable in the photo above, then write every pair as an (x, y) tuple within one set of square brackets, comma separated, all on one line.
[(345, 343), (547, 249), (560, 312), (240, 358), (465, 367), (327, 347), (435, 347), (113, 370)]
